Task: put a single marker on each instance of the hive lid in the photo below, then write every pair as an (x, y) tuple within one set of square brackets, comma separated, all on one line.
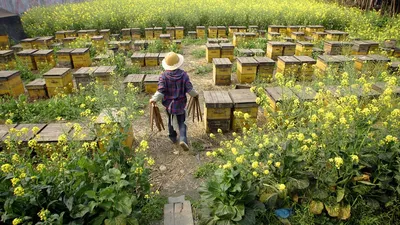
[(170, 28), (328, 59), (342, 58), (29, 135), (212, 46), (104, 71), (70, 31), (52, 131), (363, 58), (370, 42), (241, 27), (104, 30), (125, 42), (179, 28), (28, 39), (47, 38), (80, 51), (134, 78), (288, 44), (315, 26), (212, 27), (27, 52), (227, 45), (306, 59), (295, 26), (222, 62), (36, 84), (298, 33), (264, 60), (151, 55), (257, 50), (233, 27), (6, 52), (60, 32), (289, 59), (82, 31), (157, 28), (380, 58), (217, 99), (57, 72), (278, 94), (320, 33), (247, 34), (86, 133), (4, 129), (200, 27), (276, 26), (276, 43), (65, 51), (245, 51), (138, 55), (6, 75), (305, 43), (85, 71), (243, 98), (43, 52), (167, 36), (274, 33), (248, 61), (221, 27), (151, 78), (360, 43), (98, 37), (304, 93)]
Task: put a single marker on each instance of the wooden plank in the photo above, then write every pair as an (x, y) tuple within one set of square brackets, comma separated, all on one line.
[(52, 131), (151, 78), (183, 213), (5, 128), (243, 98), (86, 134), (28, 136), (304, 93)]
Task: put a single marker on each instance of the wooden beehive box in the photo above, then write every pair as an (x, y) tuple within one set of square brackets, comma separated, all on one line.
[(126, 34), (37, 89), (390, 43), (274, 36), (25, 137), (179, 33), (7, 60), (91, 32), (257, 52), (212, 32), (68, 40), (333, 47), (317, 36), (192, 34), (157, 31), (26, 57), (334, 62), (304, 93), (242, 29), (105, 33), (125, 45), (98, 41), (81, 57), (277, 28), (212, 40), (278, 97), (296, 28), (298, 36), (17, 48), (43, 42), (139, 45), (104, 74), (238, 38), (314, 28), (51, 132), (371, 63), (11, 83), (221, 32), (217, 111), (84, 76), (244, 52), (161, 57), (304, 48), (394, 67), (360, 48), (243, 101), (151, 83), (44, 59), (249, 36), (373, 46), (212, 51), (288, 39), (28, 43), (60, 35), (274, 49), (149, 33), (135, 34), (253, 29), (138, 59), (201, 31), (336, 35), (64, 58), (306, 69), (82, 34), (381, 86), (70, 33), (137, 80), (261, 33), (289, 49), (227, 50), (151, 59), (246, 69), (231, 30), (288, 65), (4, 42), (165, 38), (265, 68), (178, 43), (171, 31), (223, 40), (58, 80), (222, 70)]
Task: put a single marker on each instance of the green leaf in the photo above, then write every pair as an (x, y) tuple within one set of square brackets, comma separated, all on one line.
[(98, 220), (339, 194), (119, 220), (269, 199), (80, 211), (367, 183), (124, 205), (298, 183), (107, 193), (91, 194), (223, 210), (320, 194), (333, 210), (69, 202)]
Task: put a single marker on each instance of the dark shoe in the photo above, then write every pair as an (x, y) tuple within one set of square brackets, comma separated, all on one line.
[(173, 139), (184, 146)]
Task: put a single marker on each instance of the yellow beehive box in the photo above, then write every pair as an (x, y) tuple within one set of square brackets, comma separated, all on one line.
[(289, 49), (249, 36), (212, 51), (28, 43), (201, 31), (137, 80), (337, 47), (11, 83), (81, 57), (103, 74), (58, 80), (314, 28), (298, 36), (278, 97), (84, 76), (43, 42), (212, 32), (373, 47), (151, 59), (360, 48), (244, 101), (192, 34), (277, 28), (165, 38), (44, 59), (105, 33), (306, 68), (304, 94), (37, 89), (336, 35), (149, 33), (317, 36), (102, 122), (125, 45), (288, 65), (222, 70), (331, 62), (273, 36), (265, 68), (126, 34), (238, 38), (242, 29), (231, 30), (221, 32), (376, 63), (217, 111), (246, 69), (91, 33), (64, 59), (70, 33), (291, 29), (7, 60), (170, 31), (275, 49), (178, 43), (26, 57), (151, 83), (135, 34), (157, 32), (98, 42), (68, 40), (179, 33), (227, 50), (83, 34), (138, 59), (304, 48), (4, 42)]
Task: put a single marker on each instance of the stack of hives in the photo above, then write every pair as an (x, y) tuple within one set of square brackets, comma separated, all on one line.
[(147, 59), (275, 49), (299, 66), (389, 46)]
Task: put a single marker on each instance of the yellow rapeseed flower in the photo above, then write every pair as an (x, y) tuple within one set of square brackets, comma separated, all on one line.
[(338, 162), (278, 164), (254, 165), (281, 187), (354, 158), (6, 168), (40, 167), (16, 221), (19, 191), (8, 121), (14, 181), (255, 174), (234, 151), (266, 172)]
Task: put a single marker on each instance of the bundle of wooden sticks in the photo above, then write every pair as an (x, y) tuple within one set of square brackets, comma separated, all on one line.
[(194, 108), (155, 116)]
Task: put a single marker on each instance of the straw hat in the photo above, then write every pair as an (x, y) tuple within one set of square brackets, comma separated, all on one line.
[(172, 61)]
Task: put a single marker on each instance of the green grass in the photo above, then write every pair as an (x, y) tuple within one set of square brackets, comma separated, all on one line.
[(199, 53), (202, 70)]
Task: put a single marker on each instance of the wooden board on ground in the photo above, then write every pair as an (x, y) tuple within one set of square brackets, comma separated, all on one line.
[(178, 212), (52, 131), (5, 128), (28, 136)]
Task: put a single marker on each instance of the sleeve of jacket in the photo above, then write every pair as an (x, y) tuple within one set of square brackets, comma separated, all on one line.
[(189, 87), (159, 95)]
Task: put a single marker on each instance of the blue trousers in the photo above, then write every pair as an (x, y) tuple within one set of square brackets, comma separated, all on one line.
[(182, 128)]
